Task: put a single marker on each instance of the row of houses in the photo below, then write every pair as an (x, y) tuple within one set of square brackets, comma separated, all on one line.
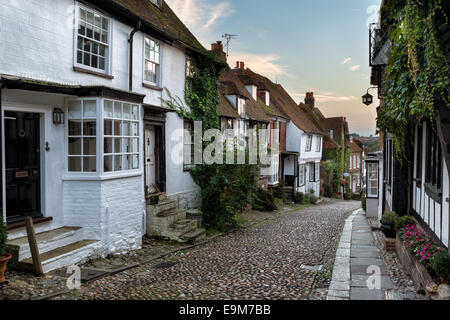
[(87, 142)]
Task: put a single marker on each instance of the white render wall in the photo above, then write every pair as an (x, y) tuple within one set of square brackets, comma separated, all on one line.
[(37, 41)]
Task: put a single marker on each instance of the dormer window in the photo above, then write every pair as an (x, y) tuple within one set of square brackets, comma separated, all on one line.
[(241, 107), (93, 41)]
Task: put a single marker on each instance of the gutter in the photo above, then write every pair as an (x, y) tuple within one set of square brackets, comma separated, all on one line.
[(130, 40)]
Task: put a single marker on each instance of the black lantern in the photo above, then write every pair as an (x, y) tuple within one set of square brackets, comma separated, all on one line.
[(58, 116), (367, 99)]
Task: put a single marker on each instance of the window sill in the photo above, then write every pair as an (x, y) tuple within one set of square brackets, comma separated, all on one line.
[(152, 87), (104, 177), (98, 74)]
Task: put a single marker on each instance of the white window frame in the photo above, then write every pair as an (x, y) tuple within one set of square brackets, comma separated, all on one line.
[(317, 171), (319, 143), (108, 55), (308, 145), (100, 174), (370, 170), (130, 137), (188, 145), (301, 174), (159, 65)]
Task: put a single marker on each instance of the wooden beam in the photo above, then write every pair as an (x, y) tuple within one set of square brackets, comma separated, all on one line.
[(33, 246)]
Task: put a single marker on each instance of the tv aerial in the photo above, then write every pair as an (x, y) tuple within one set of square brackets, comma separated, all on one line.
[(229, 37)]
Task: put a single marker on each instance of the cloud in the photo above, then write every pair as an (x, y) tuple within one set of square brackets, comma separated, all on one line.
[(201, 17), (323, 97), (354, 68), (265, 64), (347, 60)]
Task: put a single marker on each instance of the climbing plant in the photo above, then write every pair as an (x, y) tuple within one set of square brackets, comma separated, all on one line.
[(226, 190), (417, 73)]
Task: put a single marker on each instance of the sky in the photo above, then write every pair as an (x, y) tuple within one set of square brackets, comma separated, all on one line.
[(305, 45)]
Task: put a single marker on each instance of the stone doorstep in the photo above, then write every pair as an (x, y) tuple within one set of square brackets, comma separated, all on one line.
[(47, 241), (50, 260)]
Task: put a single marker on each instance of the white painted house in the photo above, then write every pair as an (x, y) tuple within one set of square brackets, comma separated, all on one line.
[(102, 66)]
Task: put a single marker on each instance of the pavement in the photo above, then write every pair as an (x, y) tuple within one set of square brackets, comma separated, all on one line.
[(359, 273)]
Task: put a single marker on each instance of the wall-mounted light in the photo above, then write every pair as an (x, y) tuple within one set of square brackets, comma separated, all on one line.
[(58, 116), (367, 99)]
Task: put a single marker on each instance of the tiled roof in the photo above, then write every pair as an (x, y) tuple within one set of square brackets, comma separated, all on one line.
[(230, 84), (339, 126), (226, 109), (162, 19)]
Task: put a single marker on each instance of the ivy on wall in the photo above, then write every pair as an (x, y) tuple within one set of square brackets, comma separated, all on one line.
[(226, 189), (417, 74)]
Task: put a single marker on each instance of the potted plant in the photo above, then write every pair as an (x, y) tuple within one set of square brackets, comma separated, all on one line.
[(4, 256), (387, 224)]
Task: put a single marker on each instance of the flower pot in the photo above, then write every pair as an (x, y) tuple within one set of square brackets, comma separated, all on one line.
[(388, 229), (3, 261)]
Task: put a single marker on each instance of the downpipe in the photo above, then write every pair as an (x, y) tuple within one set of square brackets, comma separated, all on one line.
[(130, 40)]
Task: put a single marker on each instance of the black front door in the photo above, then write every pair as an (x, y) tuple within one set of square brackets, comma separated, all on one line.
[(22, 165)]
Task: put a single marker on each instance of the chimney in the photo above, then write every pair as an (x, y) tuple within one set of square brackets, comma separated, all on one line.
[(241, 65), (217, 49), (309, 100)]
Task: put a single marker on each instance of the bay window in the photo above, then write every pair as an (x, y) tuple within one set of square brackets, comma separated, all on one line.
[(82, 133), (103, 130), (93, 40), (308, 143)]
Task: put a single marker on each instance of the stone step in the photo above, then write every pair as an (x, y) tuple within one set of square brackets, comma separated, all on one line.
[(47, 241), (162, 196), (163, 206), (194, 236), (64, 256), (185, 225)]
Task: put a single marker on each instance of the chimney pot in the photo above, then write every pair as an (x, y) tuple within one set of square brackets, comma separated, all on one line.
[(242, 65), (237, 64)]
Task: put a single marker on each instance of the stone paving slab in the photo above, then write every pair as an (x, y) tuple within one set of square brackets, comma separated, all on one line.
[(361, 281), (366, 294), (362, 270), (366, 262)]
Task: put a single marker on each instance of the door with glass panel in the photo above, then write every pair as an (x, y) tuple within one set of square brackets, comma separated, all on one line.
[(150, 159)]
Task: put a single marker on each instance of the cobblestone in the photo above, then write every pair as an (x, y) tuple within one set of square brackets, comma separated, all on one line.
[(262, 262)]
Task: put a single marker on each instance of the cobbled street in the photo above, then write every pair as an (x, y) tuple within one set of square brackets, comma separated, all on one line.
[(261, 262)]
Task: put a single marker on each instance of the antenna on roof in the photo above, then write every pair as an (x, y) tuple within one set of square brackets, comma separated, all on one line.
[(229, 37)]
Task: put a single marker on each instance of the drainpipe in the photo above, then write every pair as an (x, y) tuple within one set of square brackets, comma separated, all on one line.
[(130, 40)]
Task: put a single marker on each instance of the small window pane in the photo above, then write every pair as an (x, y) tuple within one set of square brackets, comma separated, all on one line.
[(117, 163), (135, 162), (135, 113), (126, 162), (117, 148), (75, 110), (89, 128), (127, 111), (134, 129), (74, 146), (108, 164), (117, 127), (108, 127), (134, 145), (108, 145), (117, 110), (126, 145), (108, 109), (74, 127), (126, 128), (89, 147), (90, 109), (75, 164), (89, 164)]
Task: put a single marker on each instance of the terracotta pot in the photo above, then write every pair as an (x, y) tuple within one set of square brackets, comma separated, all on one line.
[(3, 261)]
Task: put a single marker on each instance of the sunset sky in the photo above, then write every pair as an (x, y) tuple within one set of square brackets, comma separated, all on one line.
[(305, 45)]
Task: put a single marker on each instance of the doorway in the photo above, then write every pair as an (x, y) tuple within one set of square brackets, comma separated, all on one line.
[(22, 165), (154, 159)]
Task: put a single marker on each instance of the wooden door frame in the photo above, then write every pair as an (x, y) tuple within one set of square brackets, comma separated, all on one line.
[(160, 155)]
